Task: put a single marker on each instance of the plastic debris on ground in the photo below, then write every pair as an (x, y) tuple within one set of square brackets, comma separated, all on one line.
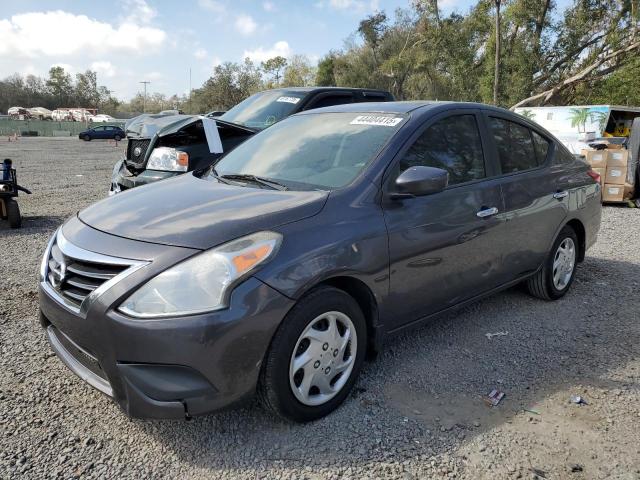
[(578, 400), (497, 334), (494, 398)]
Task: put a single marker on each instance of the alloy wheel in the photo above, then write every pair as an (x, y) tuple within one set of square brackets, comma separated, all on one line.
[(564, 263)]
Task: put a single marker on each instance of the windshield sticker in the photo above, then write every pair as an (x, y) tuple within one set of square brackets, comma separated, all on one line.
[(380, 120), (293, 100)]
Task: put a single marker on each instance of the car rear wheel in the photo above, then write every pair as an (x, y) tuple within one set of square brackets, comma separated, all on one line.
[(557, 274), (314, 357), (87, 138)]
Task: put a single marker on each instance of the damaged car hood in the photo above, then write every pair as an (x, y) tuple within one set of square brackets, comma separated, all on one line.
[(188, 211), (148, 125)]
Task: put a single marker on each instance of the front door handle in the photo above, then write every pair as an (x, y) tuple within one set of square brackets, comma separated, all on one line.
[(487, 212), (561, 194)]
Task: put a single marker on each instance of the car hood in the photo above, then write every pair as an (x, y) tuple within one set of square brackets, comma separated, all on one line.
[(146, 125), (188, 211)]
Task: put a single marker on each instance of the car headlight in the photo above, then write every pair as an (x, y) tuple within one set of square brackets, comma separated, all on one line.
[(168, 159), (203, 282)]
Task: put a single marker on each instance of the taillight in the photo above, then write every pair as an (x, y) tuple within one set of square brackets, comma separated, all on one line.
[(595, 175)]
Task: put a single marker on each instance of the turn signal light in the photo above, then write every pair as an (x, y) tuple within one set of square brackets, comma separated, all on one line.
[(183, 158), (245, 261)]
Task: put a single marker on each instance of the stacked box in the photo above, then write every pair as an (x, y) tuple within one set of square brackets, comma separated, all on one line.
[(617, 167), (616, 188), (596, 158), (613, 193)]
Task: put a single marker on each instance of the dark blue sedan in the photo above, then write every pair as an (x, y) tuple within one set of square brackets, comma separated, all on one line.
[(105, 131)]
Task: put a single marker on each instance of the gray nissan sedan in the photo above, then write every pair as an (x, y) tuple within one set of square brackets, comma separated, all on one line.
[(276, 271)]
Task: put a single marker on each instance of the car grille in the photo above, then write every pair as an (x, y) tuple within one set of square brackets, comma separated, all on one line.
[(74, 279), (136, 150)]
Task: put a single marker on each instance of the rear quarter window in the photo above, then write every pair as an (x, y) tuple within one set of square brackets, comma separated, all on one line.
[(563, 156), (541, 145)]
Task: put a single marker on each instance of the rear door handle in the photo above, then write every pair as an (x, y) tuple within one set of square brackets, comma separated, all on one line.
[(487, 212), (561, 194)]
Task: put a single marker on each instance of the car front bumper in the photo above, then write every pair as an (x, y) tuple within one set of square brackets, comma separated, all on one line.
[(122, 179), (165, 368)]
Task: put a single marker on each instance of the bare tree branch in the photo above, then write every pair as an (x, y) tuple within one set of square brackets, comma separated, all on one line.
[(582, 75)]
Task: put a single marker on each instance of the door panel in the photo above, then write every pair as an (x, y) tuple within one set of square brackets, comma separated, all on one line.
[(441, 251), (533, 216), (531, 212)]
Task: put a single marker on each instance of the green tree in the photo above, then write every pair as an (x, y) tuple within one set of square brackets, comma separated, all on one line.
[(274, 67), (86, 89), (325, 75), (229, 85), (299, 72), (60, 86)]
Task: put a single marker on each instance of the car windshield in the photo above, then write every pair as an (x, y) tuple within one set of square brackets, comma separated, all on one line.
[(263, 109), (312, 151)]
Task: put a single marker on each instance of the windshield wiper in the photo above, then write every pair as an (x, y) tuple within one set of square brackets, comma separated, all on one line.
[(255, 179)]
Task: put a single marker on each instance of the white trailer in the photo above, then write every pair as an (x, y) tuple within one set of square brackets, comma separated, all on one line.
[(576, 125)]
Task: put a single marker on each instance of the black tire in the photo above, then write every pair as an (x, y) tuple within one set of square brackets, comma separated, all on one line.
[(13, 213), (117, 138), (541, 285), (274, 389), (87, 138)]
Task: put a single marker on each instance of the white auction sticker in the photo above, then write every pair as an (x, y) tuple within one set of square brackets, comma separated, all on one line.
[(376, 120), (293, 100)]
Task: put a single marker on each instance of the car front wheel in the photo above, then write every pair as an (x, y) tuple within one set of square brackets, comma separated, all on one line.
[(117, 138), (559, 270), (314, 357), (87, 138)]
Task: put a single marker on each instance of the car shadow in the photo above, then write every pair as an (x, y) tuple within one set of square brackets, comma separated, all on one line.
[(424, 392)]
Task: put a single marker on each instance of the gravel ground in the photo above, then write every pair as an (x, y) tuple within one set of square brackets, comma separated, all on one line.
[(415, 413)]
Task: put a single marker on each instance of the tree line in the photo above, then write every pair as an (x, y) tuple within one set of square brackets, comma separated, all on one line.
[(59, 90), (505, 52)]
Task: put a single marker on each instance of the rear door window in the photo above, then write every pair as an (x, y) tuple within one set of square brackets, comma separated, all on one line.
[(452, 144), (514, 144)]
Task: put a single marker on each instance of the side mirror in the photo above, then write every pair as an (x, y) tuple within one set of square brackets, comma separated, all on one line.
[(417, 181)]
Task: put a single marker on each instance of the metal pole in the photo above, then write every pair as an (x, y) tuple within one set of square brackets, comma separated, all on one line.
[(144, 100)]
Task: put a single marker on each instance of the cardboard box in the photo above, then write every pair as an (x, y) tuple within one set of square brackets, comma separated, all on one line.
[(613, 193), (616, 175), (596, 158), (618, 158), (602, 172)]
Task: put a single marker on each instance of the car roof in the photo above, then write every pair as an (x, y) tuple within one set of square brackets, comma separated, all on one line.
[(402, 107), (325, 89)]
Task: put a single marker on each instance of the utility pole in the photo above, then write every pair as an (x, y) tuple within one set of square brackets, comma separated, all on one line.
[(190, 90), (144, 101)]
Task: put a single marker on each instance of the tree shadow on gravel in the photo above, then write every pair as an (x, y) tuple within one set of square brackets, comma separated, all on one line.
[(424, 393)]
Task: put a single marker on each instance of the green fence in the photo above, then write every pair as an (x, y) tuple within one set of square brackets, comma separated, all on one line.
[(46, 128)]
